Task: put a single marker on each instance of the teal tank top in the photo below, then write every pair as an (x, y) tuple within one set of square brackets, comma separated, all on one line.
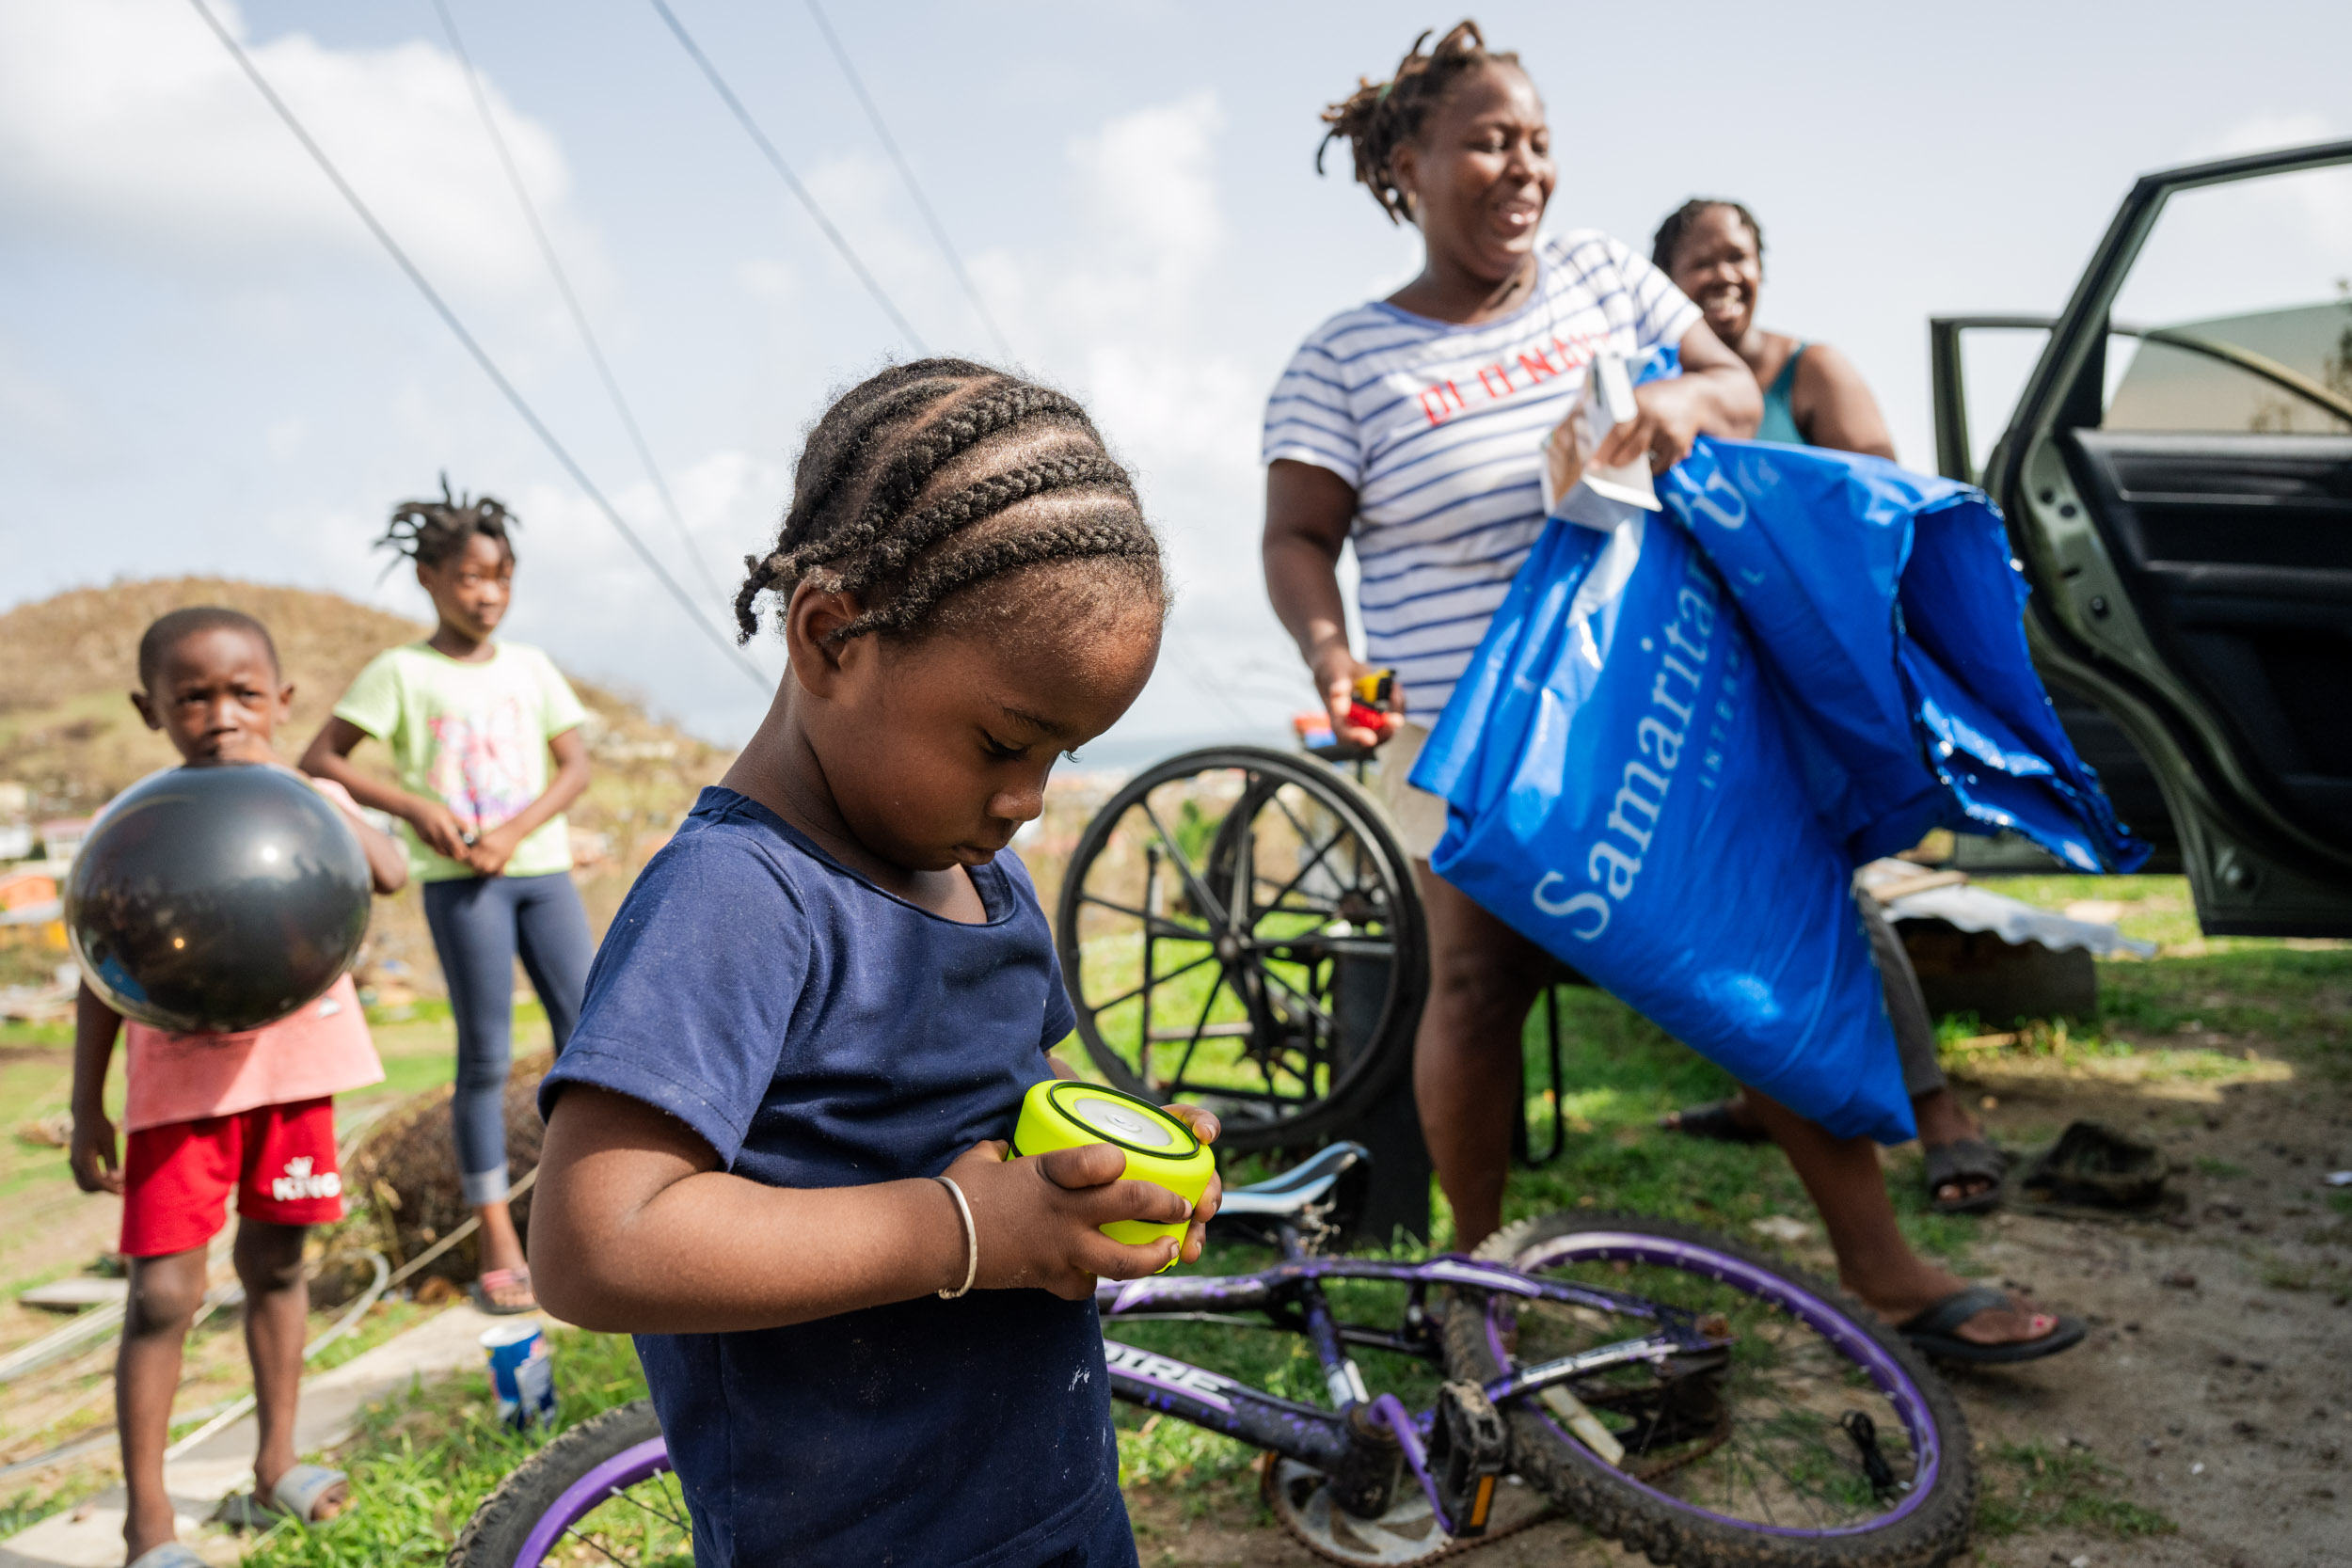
[(1780, 419)]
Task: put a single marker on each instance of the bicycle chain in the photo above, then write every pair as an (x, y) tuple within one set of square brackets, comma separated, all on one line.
[(1546, 1509)]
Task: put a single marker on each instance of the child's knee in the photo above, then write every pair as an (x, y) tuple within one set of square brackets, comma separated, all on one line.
[(164, 1294), (269, 1258)]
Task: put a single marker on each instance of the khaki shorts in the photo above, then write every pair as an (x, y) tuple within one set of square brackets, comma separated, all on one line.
[(1417, 815)]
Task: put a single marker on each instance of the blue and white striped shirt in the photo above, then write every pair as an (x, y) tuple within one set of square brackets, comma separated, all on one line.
[(1438, 428)]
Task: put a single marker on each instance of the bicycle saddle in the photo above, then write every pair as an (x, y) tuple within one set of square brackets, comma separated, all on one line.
[(1303, 1185)]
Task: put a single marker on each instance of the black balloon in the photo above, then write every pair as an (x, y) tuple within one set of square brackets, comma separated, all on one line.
[(217, 898)]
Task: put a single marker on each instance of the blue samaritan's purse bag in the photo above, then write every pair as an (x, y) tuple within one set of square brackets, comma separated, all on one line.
[(1680, 735)]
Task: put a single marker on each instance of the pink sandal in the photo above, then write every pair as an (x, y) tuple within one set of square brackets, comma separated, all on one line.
[(486, 1291)]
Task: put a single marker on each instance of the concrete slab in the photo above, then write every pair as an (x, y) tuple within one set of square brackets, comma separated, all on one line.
[(91, 1536), (73, 1293)]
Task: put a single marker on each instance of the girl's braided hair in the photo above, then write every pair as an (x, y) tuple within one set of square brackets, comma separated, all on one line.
[(1669, 236), (1378, 116), (431, 532), (854, 526)]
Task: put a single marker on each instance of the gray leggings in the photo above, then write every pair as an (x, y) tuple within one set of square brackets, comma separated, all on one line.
[(480, 925), (1914, 1031)]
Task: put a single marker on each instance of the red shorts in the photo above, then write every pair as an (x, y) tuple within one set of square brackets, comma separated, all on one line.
[(279, 1159)]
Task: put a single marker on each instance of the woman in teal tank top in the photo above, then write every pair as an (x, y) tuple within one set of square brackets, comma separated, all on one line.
[(1813, 395), (1713, 250)]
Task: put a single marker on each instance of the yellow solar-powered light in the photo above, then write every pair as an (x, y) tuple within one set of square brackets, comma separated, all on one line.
[(1062, 1114)]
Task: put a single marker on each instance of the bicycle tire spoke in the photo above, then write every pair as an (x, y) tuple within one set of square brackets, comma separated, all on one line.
[(1208, 1005), (1158, 925), (1313, 860), (628, 1495), (1314, 1008), (1149, 981), (593, 1544), (1211, 910)]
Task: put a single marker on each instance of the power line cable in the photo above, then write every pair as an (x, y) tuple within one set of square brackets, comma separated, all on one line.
[(906, 172), (481, 358), (571, 303), (775, 160)]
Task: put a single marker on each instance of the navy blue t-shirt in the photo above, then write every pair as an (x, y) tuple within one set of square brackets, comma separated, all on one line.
[(819, 1032)]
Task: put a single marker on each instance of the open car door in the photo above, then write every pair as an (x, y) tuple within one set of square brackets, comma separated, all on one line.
[(2177, 477)]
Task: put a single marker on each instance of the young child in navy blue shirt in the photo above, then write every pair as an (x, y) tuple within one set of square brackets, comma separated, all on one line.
[(775, 1142)]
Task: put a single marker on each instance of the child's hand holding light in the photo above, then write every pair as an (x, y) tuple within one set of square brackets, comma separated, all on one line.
[(1038, 1220), (1205, 1127)]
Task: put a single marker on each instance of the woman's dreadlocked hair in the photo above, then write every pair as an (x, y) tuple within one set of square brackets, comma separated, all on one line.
[(854, 528), (1669, 237), (1378, 116), (430, 532)]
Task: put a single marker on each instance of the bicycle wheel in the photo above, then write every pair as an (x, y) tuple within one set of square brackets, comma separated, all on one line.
[(1751, 1457), (601, 1493), (1239, 928)]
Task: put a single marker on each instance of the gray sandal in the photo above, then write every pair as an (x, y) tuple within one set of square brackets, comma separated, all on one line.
[(1968, 1160), (297, 1495), (172, 1554)]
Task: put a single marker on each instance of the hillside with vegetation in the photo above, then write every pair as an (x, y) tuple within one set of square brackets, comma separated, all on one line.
[(68, 734)]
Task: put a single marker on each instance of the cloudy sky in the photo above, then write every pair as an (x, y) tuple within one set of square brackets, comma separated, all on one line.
[(206, 365)]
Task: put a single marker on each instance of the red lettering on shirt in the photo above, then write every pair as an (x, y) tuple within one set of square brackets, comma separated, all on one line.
[(1537, 364), (1435, 402), (1488, 376)]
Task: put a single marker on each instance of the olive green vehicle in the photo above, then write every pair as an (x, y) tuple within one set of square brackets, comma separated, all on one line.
[(2177, 476)]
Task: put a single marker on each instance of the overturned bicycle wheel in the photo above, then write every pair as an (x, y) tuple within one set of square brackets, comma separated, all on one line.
[(1238, 929)]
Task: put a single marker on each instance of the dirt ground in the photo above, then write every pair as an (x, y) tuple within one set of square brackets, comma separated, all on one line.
[(2215, 1389)]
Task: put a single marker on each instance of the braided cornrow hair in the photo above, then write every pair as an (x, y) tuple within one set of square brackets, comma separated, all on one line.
[(1669, 236), (1378, 116), (855, 526), (430, 532)]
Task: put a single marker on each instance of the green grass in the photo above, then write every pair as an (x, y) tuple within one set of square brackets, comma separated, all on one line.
[(424, 1462), (2034, 1486)]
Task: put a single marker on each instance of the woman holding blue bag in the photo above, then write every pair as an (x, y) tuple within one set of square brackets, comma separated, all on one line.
[(1713, 249), (1414, 426)]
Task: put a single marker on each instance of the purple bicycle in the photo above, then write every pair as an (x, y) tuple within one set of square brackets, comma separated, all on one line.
[(1660, 1385)]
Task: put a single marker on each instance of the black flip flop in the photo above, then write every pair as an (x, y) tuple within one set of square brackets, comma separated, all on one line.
[(1960, 1161), (1932, 1331), (1713, 1122)]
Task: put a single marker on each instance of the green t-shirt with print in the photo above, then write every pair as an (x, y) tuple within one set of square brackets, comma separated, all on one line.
[(474, 737)]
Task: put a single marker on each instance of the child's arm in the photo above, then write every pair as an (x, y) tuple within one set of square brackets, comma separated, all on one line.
[(93, 1155), (330, 758), (635, 1228), (388, 863), (492, 851)]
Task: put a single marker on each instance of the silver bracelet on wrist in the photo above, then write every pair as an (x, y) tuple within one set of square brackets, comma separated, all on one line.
[(971, 1241)]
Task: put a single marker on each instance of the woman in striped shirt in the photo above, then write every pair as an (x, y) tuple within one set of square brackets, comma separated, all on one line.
[(1412, 425)]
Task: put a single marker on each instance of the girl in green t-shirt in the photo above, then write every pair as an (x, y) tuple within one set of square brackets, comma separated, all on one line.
[(486, 741)]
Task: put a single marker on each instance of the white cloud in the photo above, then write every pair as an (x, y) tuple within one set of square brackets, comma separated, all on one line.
[(124, 123)]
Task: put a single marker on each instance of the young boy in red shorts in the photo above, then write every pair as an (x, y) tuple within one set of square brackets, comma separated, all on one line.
[(209, 1113)]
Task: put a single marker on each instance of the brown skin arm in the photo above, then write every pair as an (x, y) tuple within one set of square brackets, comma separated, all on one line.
[(493, 849), (1834, 406), (1309, 510), (1308, 514), (635, 1228), (93, 1154), (330, 754), (330, 758), (1715, 395), (388, 863)]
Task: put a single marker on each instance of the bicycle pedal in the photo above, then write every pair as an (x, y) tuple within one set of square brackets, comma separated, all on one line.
[(1469, 1451)]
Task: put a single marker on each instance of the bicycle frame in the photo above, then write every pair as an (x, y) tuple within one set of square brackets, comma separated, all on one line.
[(1291, 1295)]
